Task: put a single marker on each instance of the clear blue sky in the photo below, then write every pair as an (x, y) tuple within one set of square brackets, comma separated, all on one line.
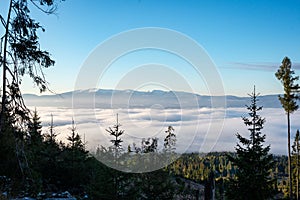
[(246, 39)]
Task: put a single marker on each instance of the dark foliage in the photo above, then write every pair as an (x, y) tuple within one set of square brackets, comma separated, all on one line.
[(253, 161), (22, 55)]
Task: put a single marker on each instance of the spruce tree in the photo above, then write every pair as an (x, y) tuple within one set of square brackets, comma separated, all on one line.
[(116, 132), (288, 101), (50, 136), (34, 147), (252, 159), (50, 161), (75, 141), (35, 137), (75, 172), (116, 141)]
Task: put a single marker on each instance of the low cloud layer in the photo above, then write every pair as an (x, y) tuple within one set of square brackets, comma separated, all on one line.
[(197, 130)]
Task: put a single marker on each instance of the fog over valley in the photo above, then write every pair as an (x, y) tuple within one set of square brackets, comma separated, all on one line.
[(199, 126)]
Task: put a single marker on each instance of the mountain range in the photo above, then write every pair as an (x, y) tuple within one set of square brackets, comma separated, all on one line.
[(102, 98)]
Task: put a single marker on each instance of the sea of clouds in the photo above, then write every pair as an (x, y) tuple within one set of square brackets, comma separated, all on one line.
[(197, 129)]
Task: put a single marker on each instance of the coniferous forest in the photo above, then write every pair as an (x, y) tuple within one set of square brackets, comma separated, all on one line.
[(35, 164)]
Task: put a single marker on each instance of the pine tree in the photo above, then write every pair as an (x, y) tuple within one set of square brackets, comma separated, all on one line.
[(74, 139), (288, 101), (51, 153), (117, 147), (117, 141), (35, 137), (50, 136), (74, 156), (34, 147), (252, 160)]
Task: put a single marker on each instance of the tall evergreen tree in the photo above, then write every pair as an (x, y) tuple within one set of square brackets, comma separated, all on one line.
[(35, 137), (252, 159), (50, 162), (288, 101), (22, 54), (34, 147), (74, 156), (116, 132)]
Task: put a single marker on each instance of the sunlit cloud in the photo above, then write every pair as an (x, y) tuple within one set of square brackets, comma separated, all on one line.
[(194, 127)]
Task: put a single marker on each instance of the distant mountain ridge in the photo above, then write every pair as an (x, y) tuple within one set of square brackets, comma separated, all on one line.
[(102, 98)]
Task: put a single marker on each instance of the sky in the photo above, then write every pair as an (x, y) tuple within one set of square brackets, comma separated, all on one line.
[(246, 41)]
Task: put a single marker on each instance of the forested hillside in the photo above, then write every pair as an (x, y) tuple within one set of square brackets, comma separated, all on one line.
[(55, 167)]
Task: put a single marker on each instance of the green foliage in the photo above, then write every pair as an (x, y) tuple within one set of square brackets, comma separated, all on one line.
[(288, 101), (197, 167), (57, 167), (253, 161), (291, 90)]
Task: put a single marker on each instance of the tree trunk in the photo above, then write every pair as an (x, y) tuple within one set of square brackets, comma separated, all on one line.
[(297, 169), (289, 156), (2, 116)]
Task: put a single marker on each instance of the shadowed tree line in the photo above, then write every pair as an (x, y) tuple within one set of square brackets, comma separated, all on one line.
[(55, 167)]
